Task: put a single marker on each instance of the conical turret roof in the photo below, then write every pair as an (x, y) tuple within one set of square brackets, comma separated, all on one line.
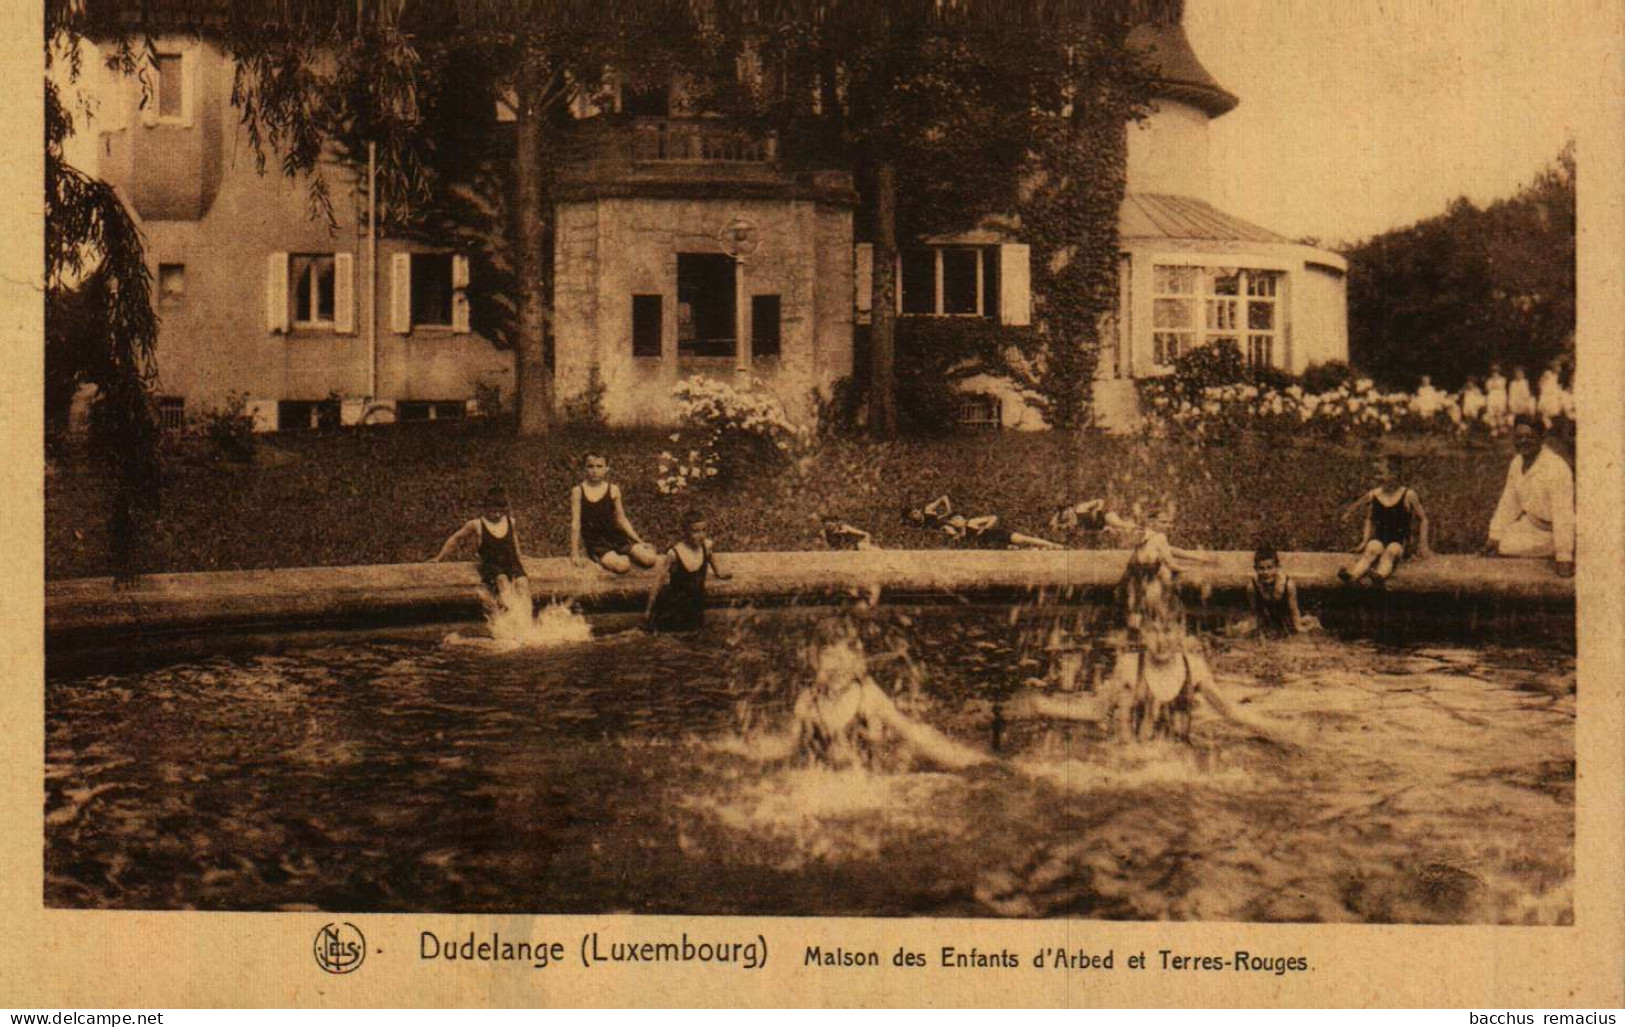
[(1180, 75)]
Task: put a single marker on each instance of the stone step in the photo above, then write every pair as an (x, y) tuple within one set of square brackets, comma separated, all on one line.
[(1117, 406)]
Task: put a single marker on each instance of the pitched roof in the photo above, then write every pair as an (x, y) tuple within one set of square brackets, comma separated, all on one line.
[(1159, 215), (1180, 75)]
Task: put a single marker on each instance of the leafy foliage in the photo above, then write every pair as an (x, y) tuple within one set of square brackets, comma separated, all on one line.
[(1449, 295)]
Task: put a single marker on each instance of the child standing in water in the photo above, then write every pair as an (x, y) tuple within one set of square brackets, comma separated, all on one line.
[(981, 532), (1274, 598), (1394, 517), (677, 601), (1147, 590), (598, 524), (499, 561)]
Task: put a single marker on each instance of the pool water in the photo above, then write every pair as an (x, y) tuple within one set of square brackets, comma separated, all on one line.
[(1426, 784)]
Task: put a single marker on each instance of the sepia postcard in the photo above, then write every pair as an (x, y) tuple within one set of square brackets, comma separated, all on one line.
[(714, 503)]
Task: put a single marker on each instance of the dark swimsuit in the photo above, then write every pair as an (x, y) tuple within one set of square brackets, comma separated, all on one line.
[(680, 603), (599, 532), (1274, 613), (1094, 520), (1390, 524), (499, 556)]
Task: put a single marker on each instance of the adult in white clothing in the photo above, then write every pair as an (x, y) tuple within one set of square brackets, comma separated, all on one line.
[(1536, 514)]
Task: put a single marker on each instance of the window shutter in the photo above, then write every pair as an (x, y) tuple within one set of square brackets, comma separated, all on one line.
[(400, 293), (276, 292), (344, 293), (188, 86), (459, 293), (863, 278), (1015, 284)]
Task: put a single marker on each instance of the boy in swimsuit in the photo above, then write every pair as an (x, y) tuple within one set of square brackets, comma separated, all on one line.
[(981, 532), (1274, 598), (599, 526), (500, 565), (1147, 590), (677, 600), (1393, 518)]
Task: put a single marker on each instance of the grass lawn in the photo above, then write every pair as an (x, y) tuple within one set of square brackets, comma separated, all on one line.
[(392, 496)]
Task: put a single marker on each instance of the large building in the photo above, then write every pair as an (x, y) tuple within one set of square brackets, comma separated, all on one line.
[(682, 247)]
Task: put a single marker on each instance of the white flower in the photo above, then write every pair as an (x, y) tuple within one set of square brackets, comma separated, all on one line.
[(1364, 384)]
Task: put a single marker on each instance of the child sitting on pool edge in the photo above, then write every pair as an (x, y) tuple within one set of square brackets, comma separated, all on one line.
[(500, 565), (1395, 525), (598, 523), (971, 532)]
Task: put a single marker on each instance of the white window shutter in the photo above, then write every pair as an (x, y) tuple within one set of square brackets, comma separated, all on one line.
[(276, 292), (400, 293), (459, 293), (863, 278), (189, 62), (344, 293), (1015, 284)]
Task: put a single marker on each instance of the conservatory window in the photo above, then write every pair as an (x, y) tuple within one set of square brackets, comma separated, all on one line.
[(1238, 305)]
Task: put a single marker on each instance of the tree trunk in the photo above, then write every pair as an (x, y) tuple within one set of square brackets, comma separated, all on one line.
[(883, 307), (533, 380)]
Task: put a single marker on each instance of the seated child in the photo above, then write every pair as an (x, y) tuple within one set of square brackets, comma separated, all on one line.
[(498, 553), (677, 600), (598, 524), (1089, 515), (1274, 598), (1394, 518), (981, 532)]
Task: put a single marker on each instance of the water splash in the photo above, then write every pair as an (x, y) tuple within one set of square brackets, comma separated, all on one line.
[(515, 623)]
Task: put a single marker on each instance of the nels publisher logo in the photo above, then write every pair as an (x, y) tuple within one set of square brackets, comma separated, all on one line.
[(340, 948)]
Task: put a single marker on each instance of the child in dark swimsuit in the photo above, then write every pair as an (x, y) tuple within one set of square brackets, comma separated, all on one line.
[(1394, 522), (599, 526), (1274, 598), (499, 561), (677, 602), (981, 532)]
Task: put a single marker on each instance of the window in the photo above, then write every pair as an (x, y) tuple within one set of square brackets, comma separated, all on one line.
[(950, 280), (647, 313), (1238, 305), (978, 410), (310, 288), (705, 305), (306, 415), (170, 87), (171, 283), (961, 280), (1261, 317), (919, 281), (418, 411), (1173, 312), (172, 413), (431, 289), (764, 326)]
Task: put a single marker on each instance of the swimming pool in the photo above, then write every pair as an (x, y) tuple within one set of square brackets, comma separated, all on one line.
[(1430, 783)]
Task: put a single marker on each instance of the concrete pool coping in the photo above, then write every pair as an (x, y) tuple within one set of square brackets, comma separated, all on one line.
[(92, 609)]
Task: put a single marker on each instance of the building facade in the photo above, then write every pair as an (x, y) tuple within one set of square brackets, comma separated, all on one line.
[(683, 247)]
